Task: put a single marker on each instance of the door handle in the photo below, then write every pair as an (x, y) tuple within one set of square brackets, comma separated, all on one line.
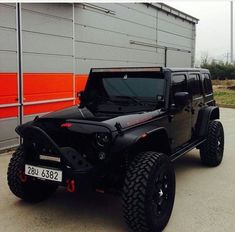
[(187, 108), (170, 117)]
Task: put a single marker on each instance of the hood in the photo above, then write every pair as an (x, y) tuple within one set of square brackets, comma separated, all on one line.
[(73, 112), (131, 120), (86, 119), (120, 122)]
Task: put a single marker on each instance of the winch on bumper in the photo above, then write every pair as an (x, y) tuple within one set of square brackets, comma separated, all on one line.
[(42, 152)]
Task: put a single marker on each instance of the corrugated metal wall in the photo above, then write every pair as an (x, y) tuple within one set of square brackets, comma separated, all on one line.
[(103, 39), (8, 75), (61, 42)]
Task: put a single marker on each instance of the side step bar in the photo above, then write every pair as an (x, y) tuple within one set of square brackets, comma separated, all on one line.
[(186, 149)]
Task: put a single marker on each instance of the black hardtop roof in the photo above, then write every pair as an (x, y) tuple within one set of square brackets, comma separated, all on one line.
[(148, 69), (187, 69)]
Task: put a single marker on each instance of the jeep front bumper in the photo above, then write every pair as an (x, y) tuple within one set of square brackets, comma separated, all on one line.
[(41, 151)]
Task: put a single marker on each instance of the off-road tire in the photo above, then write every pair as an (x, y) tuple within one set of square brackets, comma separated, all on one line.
[(211, 151), (31, 190), (140, 189)]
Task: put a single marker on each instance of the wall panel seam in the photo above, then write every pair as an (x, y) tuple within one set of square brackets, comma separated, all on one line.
[(44, 14), (116, 32), (114, 46), (47, 54), (123, 61), (49, 34)]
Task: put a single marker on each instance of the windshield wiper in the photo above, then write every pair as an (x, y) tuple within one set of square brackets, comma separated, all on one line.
[(131, 98)]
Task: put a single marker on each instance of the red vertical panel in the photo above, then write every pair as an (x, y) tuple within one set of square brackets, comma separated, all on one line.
[(8, 94), (8, 88), (47, 107), (47, 86)]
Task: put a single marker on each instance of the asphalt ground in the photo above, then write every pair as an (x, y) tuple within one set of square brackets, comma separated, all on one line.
[(205, 199)]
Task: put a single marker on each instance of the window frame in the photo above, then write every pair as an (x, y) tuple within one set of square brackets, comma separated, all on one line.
[(198, 95), (171, 84), (204, 87)]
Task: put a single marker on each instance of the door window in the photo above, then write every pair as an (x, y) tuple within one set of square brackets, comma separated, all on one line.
[(179, 83), (194, 85)]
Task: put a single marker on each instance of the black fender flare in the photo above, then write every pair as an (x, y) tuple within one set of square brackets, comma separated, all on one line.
[(156, 140), (204, 116)]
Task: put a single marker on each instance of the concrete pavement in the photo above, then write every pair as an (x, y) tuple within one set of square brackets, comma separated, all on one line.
[(205, 200)]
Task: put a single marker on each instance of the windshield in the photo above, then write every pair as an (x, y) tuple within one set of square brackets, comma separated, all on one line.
[(133, 86), (137, 87)]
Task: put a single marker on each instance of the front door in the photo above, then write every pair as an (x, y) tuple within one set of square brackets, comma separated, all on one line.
[(180, 119)]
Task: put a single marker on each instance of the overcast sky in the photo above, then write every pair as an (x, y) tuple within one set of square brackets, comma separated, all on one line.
[(213, 29)]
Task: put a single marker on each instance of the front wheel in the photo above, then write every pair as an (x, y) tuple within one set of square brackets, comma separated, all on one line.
[(149, 192), (25, 187), (212, 150)]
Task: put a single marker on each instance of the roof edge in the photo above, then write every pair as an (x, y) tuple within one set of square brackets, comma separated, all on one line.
[(173, 11)]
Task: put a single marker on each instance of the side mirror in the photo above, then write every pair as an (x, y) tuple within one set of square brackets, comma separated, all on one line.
[(181, 99), (80, 95)]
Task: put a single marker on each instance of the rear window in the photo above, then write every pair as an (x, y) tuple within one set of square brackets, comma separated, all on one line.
[(207, 84)]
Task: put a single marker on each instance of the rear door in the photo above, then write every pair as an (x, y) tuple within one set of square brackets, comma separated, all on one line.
[(196, 94), (208, 91)]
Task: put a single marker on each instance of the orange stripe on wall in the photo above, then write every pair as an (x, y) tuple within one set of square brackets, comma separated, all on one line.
[(8, 112), (80, 83), (47, 86), (8, 88), (81, 80), (48, 107), (39, 87)]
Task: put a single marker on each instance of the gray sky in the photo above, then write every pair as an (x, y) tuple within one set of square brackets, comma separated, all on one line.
[(213, 29)]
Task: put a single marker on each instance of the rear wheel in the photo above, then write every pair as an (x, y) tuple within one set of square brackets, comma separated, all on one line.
[(25, 187), (148, 193), (212, 150)]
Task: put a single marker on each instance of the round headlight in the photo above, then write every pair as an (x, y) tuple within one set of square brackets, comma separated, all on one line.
[(102, 139)]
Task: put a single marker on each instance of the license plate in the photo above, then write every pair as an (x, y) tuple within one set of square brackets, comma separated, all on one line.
[(43, 173)]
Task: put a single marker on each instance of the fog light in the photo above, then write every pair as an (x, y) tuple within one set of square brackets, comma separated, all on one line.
[(102, 155)]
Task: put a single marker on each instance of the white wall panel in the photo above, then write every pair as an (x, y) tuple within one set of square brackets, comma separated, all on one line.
[(109, 22), (46, 24), (47, 43), (38, 63), (178, 59), (8, 64), (39, 43)]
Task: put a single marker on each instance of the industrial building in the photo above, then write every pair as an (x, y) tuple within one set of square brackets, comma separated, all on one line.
[(47, 50)]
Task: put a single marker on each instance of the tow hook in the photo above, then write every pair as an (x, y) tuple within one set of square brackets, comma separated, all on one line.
[(71, 186), (23, 177)]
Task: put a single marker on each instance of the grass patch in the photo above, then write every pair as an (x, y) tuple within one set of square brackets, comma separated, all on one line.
[(225, 83), (225, 97), (224, 92)]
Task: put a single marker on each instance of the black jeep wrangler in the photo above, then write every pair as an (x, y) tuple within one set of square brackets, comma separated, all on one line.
[(130, 125)]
